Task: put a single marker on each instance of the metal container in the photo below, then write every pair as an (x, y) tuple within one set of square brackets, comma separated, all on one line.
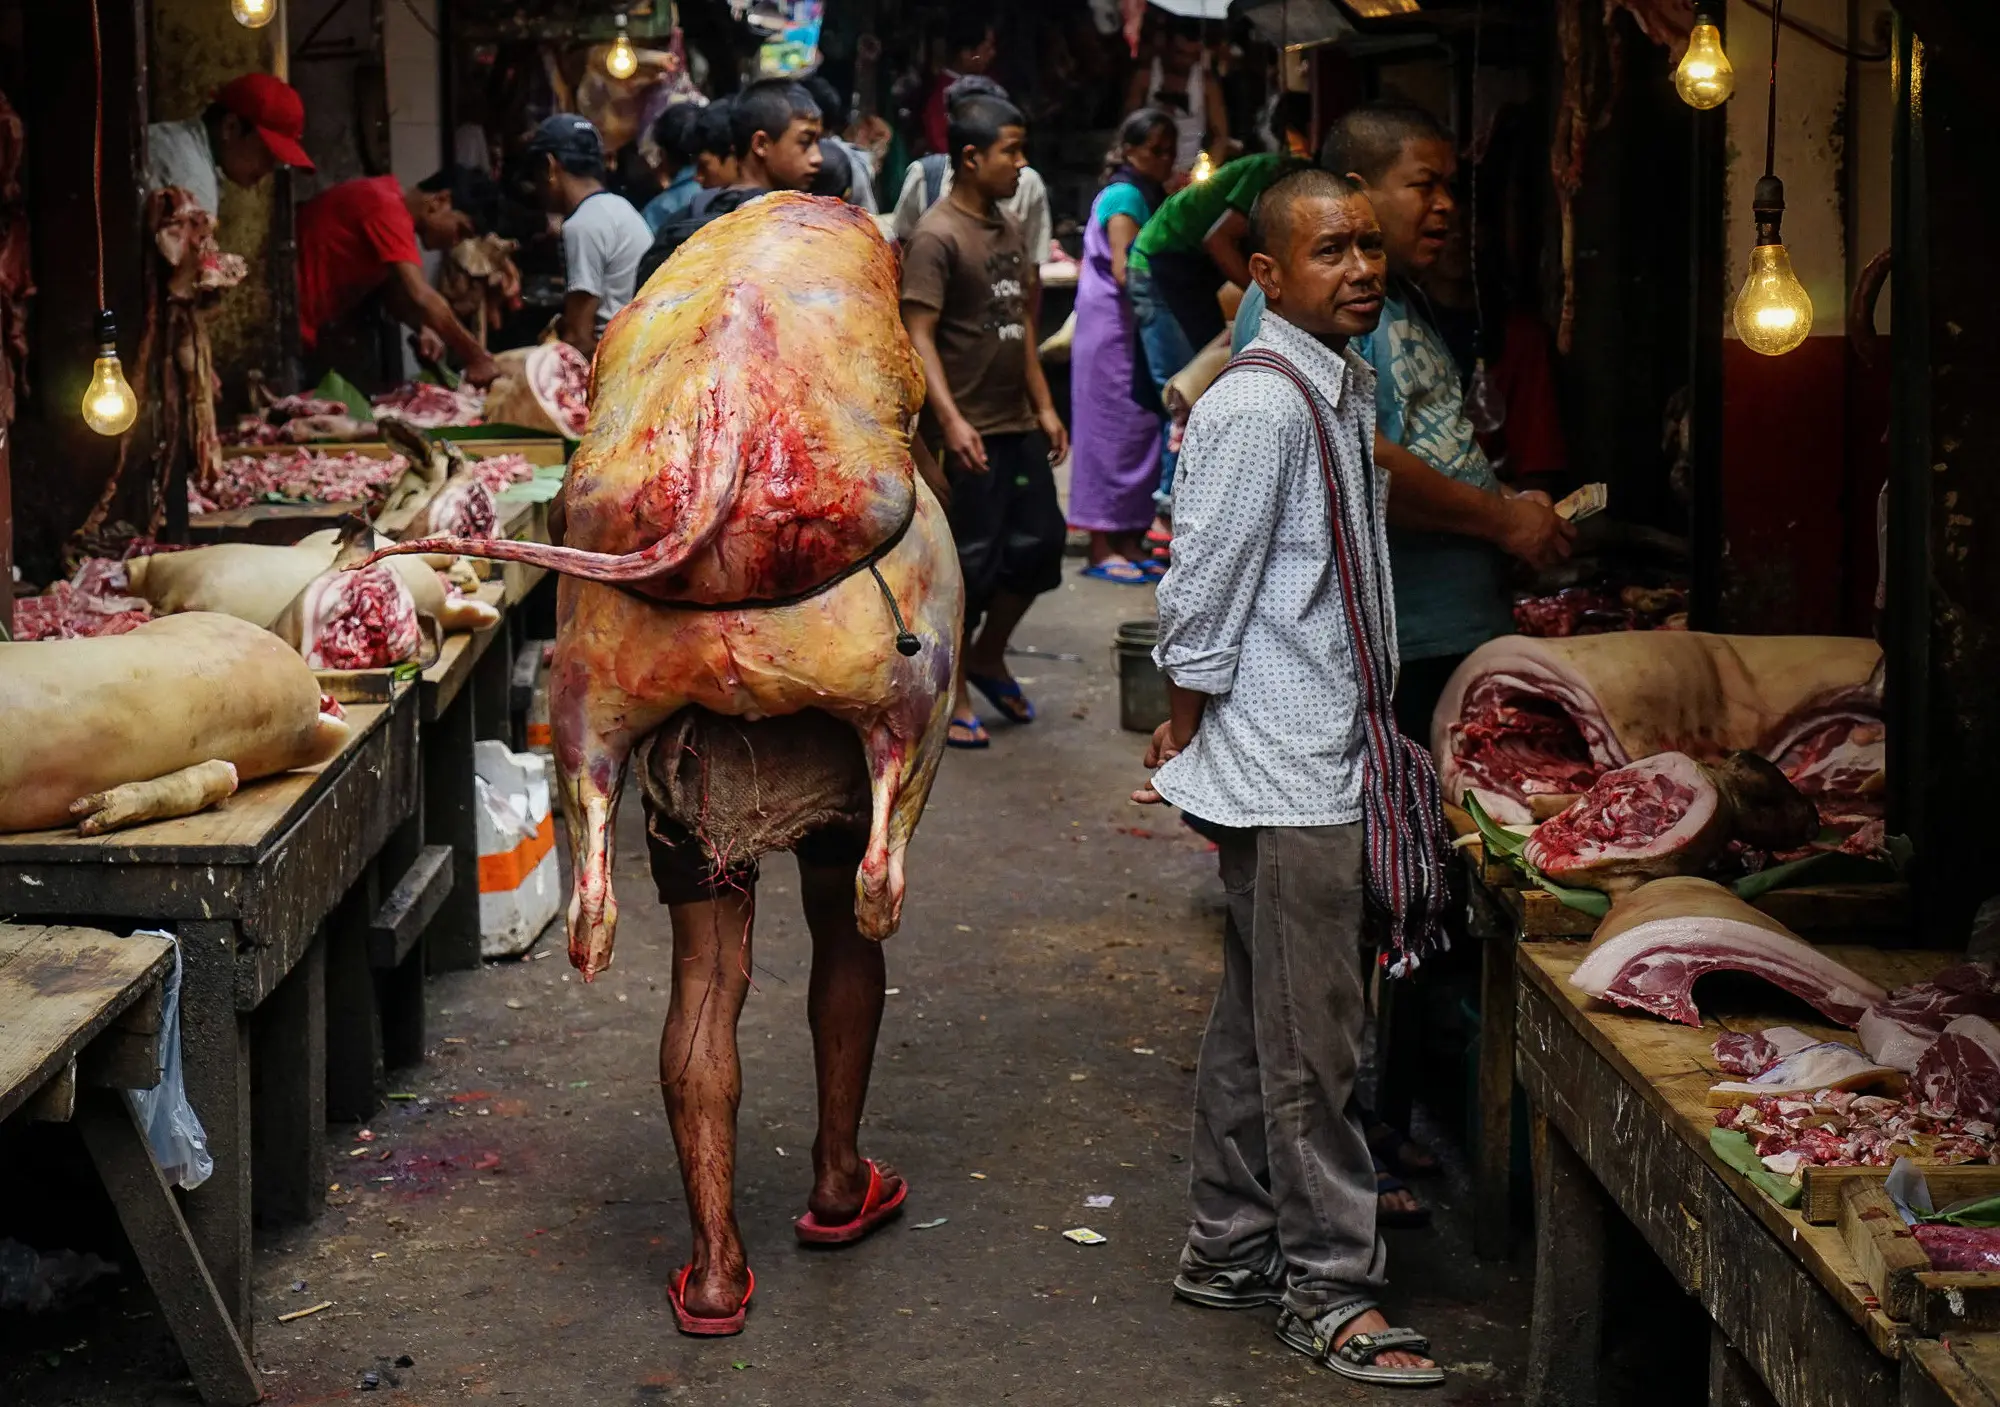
[(1142, 689)]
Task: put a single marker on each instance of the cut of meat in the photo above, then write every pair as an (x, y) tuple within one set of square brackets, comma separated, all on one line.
[(1898, 1029), (1657, 817), (1751, 1053), (1669, 815), (1601, 701), (304, 475), (430, 406), (544, 387), (1959, 1247), (1823, 1065), (1960, 1073), (1663, 937), (362, 619), (1837, 1128)]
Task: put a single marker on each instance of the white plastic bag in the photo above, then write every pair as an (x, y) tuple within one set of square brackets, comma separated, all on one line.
[(518, 878), (179, 1143)]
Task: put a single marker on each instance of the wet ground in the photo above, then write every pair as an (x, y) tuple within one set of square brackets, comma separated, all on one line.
[(504, 1229)]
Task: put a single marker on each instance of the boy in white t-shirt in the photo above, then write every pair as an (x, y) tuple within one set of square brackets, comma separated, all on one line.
[(603, 236)]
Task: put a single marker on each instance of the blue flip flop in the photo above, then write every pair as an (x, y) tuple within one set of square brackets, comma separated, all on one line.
[(978, 740), (1005, 695), (1118, 571)]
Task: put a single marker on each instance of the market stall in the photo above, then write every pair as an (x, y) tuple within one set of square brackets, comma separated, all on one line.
[(278, 1004)]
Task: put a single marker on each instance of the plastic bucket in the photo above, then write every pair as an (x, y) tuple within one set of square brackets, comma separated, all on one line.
[(1142, 689)]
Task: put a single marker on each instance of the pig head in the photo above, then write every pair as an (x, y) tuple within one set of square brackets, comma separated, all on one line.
[(746, 532)]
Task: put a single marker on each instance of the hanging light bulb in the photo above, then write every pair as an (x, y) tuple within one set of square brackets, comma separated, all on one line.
[(1773, 311), (253, 14), (109, 407), (1704, 78), (1203, 168), (623, 60)]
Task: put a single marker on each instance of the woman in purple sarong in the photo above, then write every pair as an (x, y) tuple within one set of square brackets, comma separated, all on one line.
[(1115, 455)]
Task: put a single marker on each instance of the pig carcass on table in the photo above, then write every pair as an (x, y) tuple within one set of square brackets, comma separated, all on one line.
[(1524, 717), (747, 533), (153, 708)]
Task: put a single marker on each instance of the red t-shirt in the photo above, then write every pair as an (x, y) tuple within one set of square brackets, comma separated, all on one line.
[(348, 237)]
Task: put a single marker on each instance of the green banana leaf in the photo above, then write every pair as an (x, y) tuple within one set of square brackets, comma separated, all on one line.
[(543, 488), (1734, 1148), (1504, 843), (1827, 867), (335, 387), (1984, 1212)]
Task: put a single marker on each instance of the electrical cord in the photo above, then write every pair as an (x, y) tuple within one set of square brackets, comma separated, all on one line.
[(1771, 110), (1819, 36), (97, 147)]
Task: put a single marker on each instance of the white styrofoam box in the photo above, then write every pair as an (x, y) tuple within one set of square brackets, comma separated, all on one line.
[(519, 886)]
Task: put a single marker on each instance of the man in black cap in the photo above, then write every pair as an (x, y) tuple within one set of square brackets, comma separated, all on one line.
[(603, 236)]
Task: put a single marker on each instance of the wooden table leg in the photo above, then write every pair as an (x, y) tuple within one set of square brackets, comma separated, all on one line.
[(1493, 1158), (193, 1307), (215, 1048), (492, 690), (452, 940), (288, 1093), (399, 991), (1732, 1382), (354, 1057), (1566, 1337)]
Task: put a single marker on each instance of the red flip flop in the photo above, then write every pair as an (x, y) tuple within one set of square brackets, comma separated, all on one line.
[(876, 1209), (698, 1326)]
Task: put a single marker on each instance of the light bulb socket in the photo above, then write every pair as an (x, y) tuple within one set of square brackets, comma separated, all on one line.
[(620, 21), (1767, 206), (107, 328)]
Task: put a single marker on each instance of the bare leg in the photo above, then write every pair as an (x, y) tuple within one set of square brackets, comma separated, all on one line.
[(1102, 547), (701, 1081), (844, 1005), (988, 654)]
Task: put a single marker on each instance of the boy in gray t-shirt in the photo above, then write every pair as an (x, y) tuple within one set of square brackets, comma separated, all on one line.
[(603, 236)]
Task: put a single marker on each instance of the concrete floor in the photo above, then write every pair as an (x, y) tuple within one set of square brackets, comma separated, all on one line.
[(508, 1231)]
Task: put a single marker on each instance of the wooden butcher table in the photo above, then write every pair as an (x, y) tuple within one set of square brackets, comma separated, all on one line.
[(1502, 914), (80, 1020), (1620, 1120), (277, 923)]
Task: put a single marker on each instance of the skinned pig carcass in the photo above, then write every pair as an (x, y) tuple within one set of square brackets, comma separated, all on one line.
[(746, 533), (1524, 722), (157, 722), (274, 587)]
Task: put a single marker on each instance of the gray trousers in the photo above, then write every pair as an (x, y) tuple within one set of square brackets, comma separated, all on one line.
[(1281, 1162)]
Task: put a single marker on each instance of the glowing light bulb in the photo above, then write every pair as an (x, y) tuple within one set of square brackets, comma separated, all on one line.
[(253, 14), (109, 407), (623, 60), (1773, 311), (1203, 168), (1704, 78)]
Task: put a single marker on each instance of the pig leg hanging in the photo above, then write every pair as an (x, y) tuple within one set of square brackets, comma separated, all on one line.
[(878, 885)]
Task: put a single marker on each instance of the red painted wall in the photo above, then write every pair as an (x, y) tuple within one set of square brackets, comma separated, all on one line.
[(1802, 461)]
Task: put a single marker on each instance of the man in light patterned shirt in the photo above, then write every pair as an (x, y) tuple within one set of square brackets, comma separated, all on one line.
[(1261, 647)]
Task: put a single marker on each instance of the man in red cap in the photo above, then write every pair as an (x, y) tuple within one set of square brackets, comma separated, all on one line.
[(252, 128)]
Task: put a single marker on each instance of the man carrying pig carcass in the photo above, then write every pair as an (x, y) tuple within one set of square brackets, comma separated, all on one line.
[(760, 611)]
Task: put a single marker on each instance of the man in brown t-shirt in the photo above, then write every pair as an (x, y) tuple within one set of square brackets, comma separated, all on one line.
[(968, 304)]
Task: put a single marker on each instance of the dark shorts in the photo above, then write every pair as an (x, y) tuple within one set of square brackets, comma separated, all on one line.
[(1008, 523), (686, 874)]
